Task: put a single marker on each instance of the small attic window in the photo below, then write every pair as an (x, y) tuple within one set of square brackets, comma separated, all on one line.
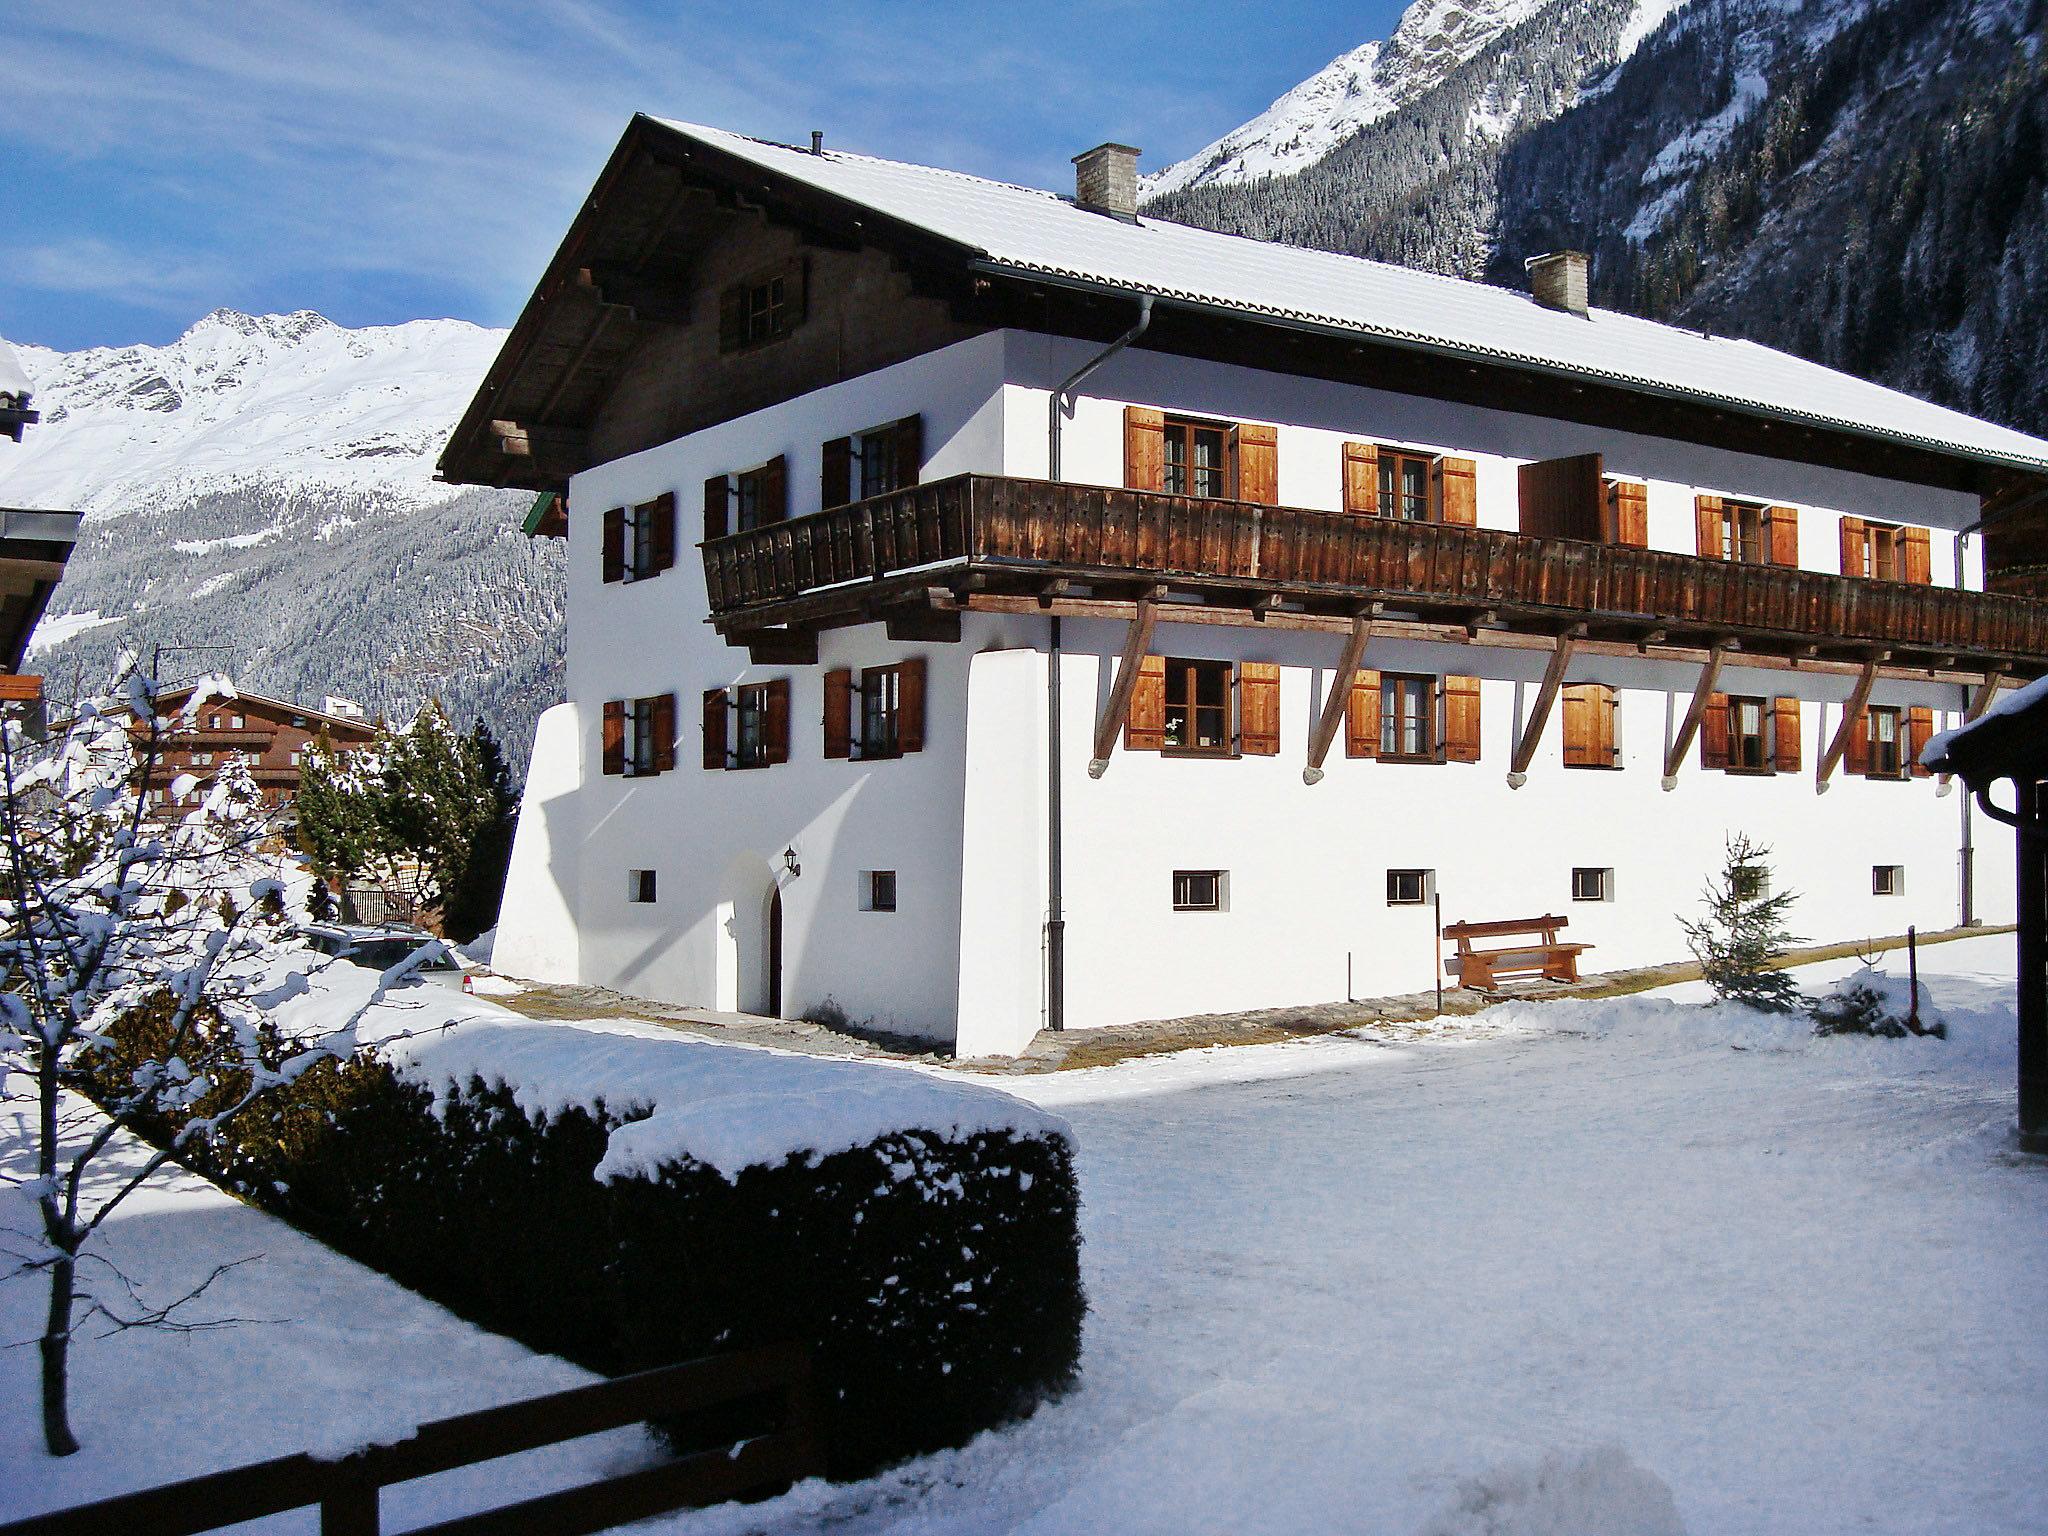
[(761, 308)]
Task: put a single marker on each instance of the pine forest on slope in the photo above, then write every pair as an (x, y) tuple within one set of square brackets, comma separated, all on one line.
[(1862, 182)]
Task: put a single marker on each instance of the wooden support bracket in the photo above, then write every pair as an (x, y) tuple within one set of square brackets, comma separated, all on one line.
[(781, 647), (1337, 699), (1114, 713), (932, 615), (1539, 712), (1689, 727), (1852, 717), (1979, 702)]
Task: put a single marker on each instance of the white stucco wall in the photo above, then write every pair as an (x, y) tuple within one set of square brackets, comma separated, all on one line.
[(963, 824), (538, 927)]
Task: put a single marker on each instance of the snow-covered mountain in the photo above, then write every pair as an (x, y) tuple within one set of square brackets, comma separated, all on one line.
[(1434, 39), (278, 400), (264, 484)]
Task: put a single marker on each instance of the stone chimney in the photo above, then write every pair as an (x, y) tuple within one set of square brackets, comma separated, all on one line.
[(1559, 280), (1106, 180)]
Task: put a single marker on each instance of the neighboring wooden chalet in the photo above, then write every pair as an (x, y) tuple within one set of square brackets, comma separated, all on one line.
[(1046, 553), (273, 734)]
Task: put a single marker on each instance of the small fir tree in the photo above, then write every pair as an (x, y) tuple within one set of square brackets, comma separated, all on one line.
[(1743, 932)]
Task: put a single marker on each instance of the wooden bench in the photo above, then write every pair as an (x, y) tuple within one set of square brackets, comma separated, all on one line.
[(1482, 969)]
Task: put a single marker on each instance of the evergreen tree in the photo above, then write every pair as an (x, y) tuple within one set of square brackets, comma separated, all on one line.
[(473, 892), (1743, 932)]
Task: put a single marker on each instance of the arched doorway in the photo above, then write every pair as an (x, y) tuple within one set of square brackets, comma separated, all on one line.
[(775, 954), (748, 938)]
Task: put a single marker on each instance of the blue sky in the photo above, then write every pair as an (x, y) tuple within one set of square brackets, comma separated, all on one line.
[(379, 162)]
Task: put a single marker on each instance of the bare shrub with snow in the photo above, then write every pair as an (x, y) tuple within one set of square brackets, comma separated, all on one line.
[(114, 922), (1872, 1003)]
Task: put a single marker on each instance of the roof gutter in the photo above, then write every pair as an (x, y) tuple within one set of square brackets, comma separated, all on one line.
[(1410, 342)]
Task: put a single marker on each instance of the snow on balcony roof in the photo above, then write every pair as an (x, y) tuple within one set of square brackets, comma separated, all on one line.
[(13, 381), (1021, 230)]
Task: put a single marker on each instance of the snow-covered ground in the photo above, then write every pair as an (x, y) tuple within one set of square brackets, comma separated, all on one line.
[(1586, 1267)]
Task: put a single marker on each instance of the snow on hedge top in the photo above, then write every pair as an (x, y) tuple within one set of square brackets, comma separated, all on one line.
[(730, 1107), (1022, 231)]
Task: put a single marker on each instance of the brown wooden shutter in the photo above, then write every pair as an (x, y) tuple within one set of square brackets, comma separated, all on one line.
[(1144, 448), (1258, 464), (664, 713), (775, 490), (615, 544), (714, 728), (775, 726), (1362, 479), (1258, 708), (1362, 716), (1628, 513), (717, 495), (1714, 733), (839, 713), (663, 510), (1562, 498), (1145, 725), (1784, 523), (1854, 543), (1461, 719), (1456, 484), (1916, 557), (910, 705), (1857, 758), (1708, 520), (906, 441), (615, 736), (732, 318), (1919, 731), (835, 483), (1785, 735), (1580, 733)]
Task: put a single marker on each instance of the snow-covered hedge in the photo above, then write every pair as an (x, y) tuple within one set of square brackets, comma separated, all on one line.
[(628, 1196)]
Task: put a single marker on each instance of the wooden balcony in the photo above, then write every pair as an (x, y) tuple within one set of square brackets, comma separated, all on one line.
[(978, 541)]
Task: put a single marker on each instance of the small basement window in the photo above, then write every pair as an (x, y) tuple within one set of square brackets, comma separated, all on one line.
[(1592, 884), (640, 885), (1409, 887), (1199, 890), (1887, 879), (878, 890)]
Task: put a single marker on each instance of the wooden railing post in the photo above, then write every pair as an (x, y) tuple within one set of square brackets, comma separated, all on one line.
[(350, 1510)]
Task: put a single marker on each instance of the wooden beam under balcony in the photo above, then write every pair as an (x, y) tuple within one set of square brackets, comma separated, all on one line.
[(1539, 711), (1689, 727), (1118, 709), (1852, 719), (992, 537), (1338, 699)]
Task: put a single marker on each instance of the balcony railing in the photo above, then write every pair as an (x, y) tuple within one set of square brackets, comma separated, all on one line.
[(1024, 532)]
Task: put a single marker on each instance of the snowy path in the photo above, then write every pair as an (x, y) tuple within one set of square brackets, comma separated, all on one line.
[(1800, 1285), (1337, 1286)]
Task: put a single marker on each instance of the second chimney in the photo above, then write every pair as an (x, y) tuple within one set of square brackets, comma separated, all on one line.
[(1106, 180), (1559, 280)]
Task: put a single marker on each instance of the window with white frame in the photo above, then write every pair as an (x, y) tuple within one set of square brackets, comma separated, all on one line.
[(1409, 887), (1590, 883), (1887, 879), (1199, 890), (878, 890), (640, 885)]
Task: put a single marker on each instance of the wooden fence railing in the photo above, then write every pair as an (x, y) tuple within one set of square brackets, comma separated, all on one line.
[(995, 522), (347, 1491)]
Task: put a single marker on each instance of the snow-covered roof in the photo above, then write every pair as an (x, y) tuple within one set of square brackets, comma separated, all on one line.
[(13, 380), (2013, 720), (1024, 231)]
